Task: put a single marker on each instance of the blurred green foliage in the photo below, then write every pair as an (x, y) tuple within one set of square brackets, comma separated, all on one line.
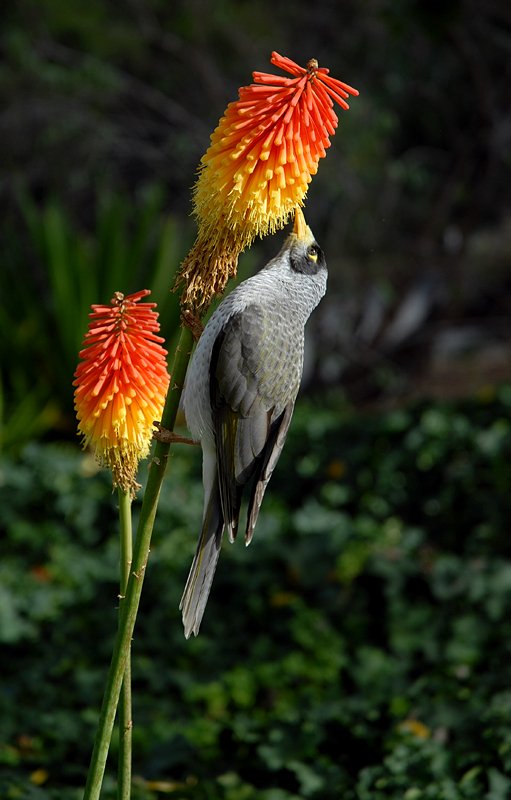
[(359, 648)]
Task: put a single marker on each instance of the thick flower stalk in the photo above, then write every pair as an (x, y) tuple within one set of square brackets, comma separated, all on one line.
[(262, 157), (121, 384)]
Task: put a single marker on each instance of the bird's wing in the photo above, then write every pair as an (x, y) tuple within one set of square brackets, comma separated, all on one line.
[(254, 378)]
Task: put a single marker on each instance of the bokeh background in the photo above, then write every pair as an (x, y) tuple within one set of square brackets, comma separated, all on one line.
[(359, 648)]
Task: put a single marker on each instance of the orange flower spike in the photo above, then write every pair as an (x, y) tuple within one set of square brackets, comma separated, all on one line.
[(258, 167), (121, 384)]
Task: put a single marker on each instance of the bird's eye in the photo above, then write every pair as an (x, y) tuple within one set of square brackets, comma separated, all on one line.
[(313, 252)]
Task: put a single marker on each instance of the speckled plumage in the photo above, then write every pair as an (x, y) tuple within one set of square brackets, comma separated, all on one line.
[(240, 393)]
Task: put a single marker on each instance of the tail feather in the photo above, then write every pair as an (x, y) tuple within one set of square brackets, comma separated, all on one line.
[(270, 456), (198, 585)]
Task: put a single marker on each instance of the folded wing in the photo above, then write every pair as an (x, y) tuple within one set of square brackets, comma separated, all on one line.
[(254, 380)]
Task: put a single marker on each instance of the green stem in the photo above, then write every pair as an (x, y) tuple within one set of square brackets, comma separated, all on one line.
[(125, 719), (140, 555)]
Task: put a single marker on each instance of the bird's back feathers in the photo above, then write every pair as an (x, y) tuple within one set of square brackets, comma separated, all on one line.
[(245, 414)]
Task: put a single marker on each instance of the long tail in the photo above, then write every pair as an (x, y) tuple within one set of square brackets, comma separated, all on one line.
[(198, 585)]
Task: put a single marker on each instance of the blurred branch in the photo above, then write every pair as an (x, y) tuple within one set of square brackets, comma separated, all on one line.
[(144, 93), (197, 57)]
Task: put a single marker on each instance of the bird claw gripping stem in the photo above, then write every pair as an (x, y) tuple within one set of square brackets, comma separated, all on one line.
[(193, 323), (161, 434)]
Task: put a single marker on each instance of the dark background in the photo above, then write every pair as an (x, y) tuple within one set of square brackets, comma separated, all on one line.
[(106, 110)]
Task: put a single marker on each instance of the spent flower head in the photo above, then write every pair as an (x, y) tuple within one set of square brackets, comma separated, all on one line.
[(257, 170), (121, 384)]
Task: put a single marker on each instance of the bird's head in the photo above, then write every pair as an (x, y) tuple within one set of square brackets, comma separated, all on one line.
[(305, 255)]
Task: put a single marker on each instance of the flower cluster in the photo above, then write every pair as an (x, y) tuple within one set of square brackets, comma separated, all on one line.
[(262, 157), (121, 384)]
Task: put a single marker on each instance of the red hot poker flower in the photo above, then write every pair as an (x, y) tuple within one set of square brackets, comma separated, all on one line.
[(121, 384), (261, 160)]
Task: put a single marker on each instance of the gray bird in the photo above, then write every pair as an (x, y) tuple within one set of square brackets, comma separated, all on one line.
[(240, 393)]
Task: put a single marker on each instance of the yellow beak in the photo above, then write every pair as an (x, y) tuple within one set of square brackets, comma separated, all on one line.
[(301, 230)]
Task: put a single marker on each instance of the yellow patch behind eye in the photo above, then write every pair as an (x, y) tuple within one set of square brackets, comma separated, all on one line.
[(312, 253)]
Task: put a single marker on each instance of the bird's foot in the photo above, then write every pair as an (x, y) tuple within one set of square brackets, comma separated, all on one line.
[(169, 437), (193, 323)]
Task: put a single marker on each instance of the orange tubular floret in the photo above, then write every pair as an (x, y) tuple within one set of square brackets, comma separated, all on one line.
[(287, 64)]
